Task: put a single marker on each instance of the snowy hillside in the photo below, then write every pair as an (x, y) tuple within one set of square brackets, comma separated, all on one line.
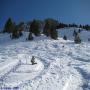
[(84, 35), (61, 65)]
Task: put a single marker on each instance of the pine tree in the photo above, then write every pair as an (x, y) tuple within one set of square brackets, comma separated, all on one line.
[(20, 27), (77, 39), (50, 28), (15, 33), (46, 29), (74, 33), (30, 37), (79, 31), (80, 26), (53, 33), (35, 28), (8, 26), (88, 39), (20, 33), (65, 38)]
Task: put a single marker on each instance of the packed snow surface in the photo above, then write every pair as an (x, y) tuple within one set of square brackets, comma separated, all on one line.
[(61, 65)]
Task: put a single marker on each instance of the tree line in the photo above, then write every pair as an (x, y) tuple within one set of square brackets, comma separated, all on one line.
[(48, 27)]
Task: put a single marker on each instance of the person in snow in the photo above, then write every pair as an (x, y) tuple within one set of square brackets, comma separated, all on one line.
[(33, 60)]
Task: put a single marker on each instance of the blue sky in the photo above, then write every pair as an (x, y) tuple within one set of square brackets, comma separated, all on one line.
[(67, 11)]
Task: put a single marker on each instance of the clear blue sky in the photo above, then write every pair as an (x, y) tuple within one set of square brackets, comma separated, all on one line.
[(67, 11)]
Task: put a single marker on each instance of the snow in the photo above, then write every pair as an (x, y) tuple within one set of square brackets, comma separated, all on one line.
[(61, 65), (84, 35)]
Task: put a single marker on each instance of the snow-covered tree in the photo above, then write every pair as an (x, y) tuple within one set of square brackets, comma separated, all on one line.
[(77, 39)]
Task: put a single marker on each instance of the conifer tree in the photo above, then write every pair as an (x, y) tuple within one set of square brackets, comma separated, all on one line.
[(15, 33), (74, 33), (34, 28), (50, 28), (30, 37), (20, 28), (77, 39), (53, 33), (8, 26), (65, 38)]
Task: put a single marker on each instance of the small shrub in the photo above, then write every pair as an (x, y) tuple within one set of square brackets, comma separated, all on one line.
[(65, 38)]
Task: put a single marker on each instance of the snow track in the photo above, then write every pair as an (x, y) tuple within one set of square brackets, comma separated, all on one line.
[(12, 67), (20, 73), (86, 78), (44, 70)]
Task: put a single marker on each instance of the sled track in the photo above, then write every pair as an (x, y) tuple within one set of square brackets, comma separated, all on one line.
[(86, 78), (85, 75), (46, 66), (11, 70)]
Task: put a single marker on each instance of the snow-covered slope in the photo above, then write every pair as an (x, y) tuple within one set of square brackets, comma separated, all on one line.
[(61, 65), (84, 35)]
